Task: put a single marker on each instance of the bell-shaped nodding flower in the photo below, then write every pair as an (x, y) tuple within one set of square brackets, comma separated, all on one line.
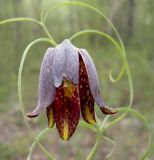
[(68, 83)]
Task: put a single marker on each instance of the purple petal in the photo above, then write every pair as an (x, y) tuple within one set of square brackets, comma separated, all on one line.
[(94, 83), (65, 63), (46, 89), (92, 76), (86, 98)]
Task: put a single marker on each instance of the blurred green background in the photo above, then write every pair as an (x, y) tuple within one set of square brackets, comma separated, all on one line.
[(134, 20)]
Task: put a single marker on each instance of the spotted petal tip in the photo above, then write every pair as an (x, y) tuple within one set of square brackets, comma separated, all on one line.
[(108, 110), (32, 115), (35, 112)]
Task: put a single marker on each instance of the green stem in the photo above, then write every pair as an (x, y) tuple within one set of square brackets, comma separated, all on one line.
[(43, 7), (45, 131), (95, 147), (113, 148), (86, 125), (24, 19), (99, 33), (48, 34), (103, 129), (98, 140), (146, 123), (38, 139), (21, 19)]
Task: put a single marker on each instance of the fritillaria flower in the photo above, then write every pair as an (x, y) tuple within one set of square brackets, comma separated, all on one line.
[(68, 84)]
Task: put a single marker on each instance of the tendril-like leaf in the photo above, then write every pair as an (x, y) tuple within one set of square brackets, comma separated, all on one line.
[(114, 80), (38, 139), (20, 90), (112, 40), (97, 142), (142, 118), (86, 125), (21, 19), (85, 5), (25, 19), (113, 148), (45, 132), (51, 3)]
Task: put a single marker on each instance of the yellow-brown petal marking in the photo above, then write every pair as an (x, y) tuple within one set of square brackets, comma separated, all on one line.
[(86, 98), (67, 109), (50, 117), (69, 88)]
